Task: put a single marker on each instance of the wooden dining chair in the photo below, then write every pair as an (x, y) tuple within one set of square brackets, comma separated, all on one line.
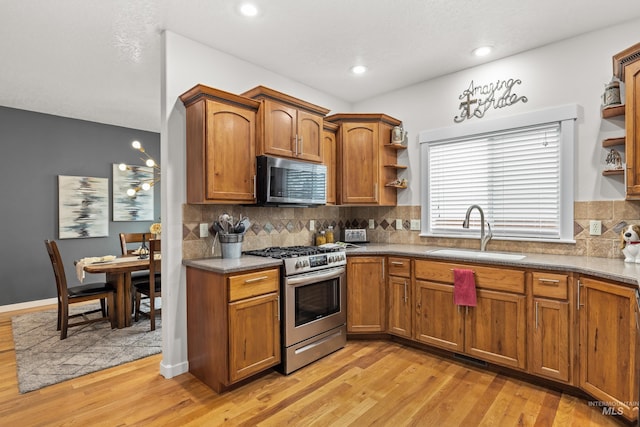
[(127, 238), (151, 288), (76, 294)]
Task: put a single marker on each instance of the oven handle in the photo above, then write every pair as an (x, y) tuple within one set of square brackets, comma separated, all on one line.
[(315, 277)]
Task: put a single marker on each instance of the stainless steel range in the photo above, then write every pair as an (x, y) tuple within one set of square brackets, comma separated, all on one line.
[(313, 295)]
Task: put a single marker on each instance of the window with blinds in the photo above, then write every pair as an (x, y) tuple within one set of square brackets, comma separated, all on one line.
[(515, 175)]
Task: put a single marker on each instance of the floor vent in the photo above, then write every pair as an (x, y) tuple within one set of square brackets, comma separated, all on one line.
[(469, 359)]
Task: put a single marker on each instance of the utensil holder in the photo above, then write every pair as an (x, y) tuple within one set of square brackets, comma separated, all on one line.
[(231, 245)]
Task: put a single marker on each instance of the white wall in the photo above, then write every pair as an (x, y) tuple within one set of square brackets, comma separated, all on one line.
[(572, 71), (185, 64)]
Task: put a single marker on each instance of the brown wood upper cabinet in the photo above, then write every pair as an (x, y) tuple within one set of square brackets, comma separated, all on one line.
[(626, 66), (221, 142), (329, 154), (364, 149), (287, 126)]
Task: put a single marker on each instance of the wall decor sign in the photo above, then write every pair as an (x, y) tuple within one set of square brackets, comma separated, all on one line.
[(138, 207), (83, 207), (477, 99)]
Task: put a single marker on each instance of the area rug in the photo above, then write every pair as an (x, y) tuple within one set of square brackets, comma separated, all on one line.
[(43, 359)]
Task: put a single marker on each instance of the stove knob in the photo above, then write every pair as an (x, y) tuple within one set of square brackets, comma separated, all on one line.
[(306, 263), (298, 264)]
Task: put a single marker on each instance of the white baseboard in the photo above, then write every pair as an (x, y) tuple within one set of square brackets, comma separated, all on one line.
[(29, 304), (170, 371)]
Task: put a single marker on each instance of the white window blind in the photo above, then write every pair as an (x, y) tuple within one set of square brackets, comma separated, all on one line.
[(514, 175)]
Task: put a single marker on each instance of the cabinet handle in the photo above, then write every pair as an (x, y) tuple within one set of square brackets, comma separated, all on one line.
[(536, 315), (256, 279), (254, 186), (278, 307), (548, 281), (405, 291), (300, 141), (375, 191), (579, 286), (383, 273), (295, 145), (397, 263)]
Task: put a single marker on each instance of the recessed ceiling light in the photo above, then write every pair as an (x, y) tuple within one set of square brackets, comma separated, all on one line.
[(248, 9), (482, 51), (358, 69)]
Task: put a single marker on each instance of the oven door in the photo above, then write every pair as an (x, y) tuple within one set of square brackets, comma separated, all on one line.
[(313, 303)]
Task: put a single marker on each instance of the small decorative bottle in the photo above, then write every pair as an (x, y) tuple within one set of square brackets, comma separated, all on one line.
[(329, 234)]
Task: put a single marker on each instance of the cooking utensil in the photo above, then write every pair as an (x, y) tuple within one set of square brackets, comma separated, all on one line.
[(239, 228), (216, 227)]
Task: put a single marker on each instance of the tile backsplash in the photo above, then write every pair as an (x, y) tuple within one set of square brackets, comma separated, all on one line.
[(274, 226)]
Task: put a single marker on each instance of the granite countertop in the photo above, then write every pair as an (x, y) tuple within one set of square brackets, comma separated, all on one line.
[(233, 265), (604, 268)]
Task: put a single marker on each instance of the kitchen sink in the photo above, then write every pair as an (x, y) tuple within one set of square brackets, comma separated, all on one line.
[(478, 254)]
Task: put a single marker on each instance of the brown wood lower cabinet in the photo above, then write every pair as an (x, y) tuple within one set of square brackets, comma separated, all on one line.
[(400, 297), (366, 302), (233, 325), (608, 344), (494, 330), (550, 331)]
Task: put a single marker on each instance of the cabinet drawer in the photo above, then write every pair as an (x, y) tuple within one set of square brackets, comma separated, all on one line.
[(495, 278), (252, 284), (399, 267), (549, 285)]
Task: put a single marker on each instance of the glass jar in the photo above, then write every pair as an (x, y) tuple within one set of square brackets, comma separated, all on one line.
[(329, 234), (321, 239)]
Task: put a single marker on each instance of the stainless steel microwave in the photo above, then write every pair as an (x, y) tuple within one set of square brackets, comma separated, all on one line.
[(290, 182)]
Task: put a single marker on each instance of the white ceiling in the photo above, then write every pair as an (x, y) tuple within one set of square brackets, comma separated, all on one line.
[(99, 60)]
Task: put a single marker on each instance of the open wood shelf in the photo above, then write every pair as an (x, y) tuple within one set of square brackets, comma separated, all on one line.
[(617, 110), (395, 186), (612, 142), (397, 146), (396, 166), (613, 172)]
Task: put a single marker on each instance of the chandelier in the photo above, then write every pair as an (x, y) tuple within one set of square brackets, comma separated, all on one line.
[(150, 162)]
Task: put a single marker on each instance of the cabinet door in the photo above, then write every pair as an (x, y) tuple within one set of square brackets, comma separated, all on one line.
[(254, 335), (329, 156), (309, 137), (358, 146), (399, 294), (550, 341), (280, 122), (495, 328), (607, 317), (439, 321), (365, 294), (230, 153), (632, 125)]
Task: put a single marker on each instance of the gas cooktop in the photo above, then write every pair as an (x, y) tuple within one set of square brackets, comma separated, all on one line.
[(304, 259), (280, 252)]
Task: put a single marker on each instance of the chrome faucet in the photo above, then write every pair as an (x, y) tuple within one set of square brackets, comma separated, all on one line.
[(484, 239)]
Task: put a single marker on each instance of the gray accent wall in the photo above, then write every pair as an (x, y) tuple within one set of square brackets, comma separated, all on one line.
[(35, 148)]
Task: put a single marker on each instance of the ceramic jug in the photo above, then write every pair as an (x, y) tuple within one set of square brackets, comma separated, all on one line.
[(398, 134)]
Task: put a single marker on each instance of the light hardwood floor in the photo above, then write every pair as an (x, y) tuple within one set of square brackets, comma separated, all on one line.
[(366, 383)]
